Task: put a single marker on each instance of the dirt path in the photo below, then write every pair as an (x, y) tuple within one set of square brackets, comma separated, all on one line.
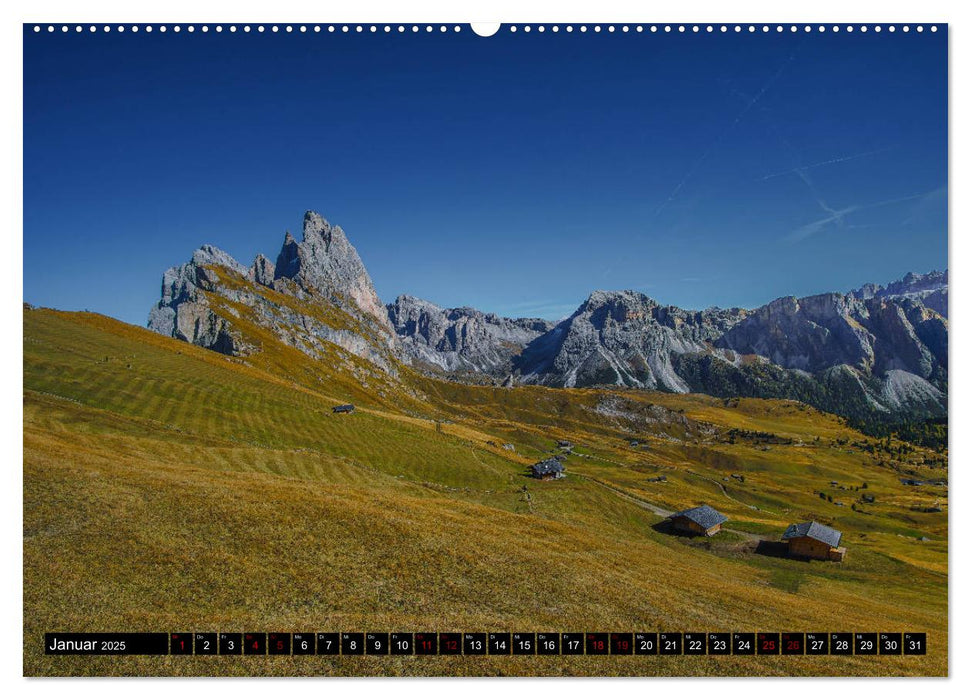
[(656, 509), (647, 505), (728, 495)]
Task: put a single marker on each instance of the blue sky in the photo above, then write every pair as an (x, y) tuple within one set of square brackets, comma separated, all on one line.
[(515, 173)]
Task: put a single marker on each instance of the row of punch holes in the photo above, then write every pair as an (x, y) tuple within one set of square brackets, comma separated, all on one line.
[(513, 28)]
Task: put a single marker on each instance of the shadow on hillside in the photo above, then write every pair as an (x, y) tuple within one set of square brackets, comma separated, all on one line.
[(769, 548), (665, 528)]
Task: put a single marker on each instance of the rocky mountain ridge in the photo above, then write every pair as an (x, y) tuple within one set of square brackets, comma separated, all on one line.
[(878, 350), (462, 339), (930, 288)]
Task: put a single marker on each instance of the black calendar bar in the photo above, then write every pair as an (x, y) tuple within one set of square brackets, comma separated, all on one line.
[(106, 643), (499, 644)]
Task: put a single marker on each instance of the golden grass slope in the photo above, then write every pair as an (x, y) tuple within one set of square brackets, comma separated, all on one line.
[(168, 488)]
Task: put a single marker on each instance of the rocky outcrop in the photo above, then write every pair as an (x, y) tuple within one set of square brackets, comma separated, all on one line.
[(463, 339), (183, 312), (334, 301), (262, 271)]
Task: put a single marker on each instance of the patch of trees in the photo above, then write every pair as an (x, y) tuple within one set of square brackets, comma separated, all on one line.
[(928, 432), (758, 437)]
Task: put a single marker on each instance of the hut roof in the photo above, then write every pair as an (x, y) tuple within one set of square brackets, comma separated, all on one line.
[(703, 515), (814, 530), (548, 466)]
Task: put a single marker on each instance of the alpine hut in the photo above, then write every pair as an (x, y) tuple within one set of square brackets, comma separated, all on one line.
[(702, 520), (814, 541), (548, 469)]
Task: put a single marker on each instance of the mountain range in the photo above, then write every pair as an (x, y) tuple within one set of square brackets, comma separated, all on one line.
[(874, 352)]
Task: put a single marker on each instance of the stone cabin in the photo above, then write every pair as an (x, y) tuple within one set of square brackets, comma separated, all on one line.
[(814, 541), (548, 469), (702, 520)]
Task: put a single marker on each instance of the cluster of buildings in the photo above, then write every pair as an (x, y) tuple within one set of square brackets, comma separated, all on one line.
[(810, 540)]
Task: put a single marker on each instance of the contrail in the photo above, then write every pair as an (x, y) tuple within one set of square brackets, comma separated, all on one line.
[(803, 172), (704, 156), (831, 161), (813, 227)]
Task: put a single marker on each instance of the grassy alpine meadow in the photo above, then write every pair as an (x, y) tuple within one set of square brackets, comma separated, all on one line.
[(169, 488)]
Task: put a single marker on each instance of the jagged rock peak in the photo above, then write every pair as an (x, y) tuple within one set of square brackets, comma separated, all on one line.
[(211, 255), (316, 225), (325, 263), (262, 270)]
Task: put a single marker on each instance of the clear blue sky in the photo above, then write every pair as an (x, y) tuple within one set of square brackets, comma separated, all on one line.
[(515, 173)]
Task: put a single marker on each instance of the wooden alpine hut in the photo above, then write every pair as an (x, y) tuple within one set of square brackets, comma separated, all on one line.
[(701, 520), (814, 541)]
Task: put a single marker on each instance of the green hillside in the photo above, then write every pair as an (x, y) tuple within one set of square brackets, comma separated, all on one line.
[(170, 488)]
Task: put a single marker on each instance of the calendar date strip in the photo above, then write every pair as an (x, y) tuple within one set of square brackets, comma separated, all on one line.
[(375, 644)]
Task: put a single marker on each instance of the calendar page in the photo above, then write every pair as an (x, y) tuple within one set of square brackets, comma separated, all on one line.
[(523, 349)]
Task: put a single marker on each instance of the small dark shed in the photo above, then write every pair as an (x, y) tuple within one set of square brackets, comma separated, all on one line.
[(344, 408), (548, 469), (702, 520), (814, 541)]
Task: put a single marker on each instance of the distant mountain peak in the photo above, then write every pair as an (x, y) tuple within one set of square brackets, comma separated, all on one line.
[(931, 288)]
